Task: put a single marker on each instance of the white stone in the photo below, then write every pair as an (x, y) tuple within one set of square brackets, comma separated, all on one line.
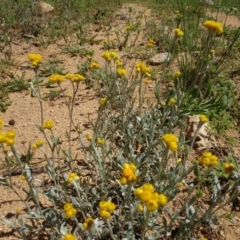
[(45, 7), (159, 58)]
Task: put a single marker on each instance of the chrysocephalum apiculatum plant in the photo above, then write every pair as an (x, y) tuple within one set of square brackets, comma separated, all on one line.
[(143, 183)]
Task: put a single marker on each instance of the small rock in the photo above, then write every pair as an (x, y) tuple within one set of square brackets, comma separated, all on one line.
[(11, 122), (159, 58), (204, 139), (44, 7)]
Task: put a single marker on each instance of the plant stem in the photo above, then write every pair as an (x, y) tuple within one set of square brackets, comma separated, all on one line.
[(110, 230), (145, 226)]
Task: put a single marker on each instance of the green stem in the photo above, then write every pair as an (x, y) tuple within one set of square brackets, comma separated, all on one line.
[(145, 226), (110, 230)]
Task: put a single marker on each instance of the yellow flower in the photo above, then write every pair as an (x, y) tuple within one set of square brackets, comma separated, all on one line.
[(150, 43), (171, 101), (103, 101), (212, 51), (145, 195), (78, 78), (35, 59), (89, 137), (128, 27), (167, 138), (171, 141), (228, 168), (3, 137), (128, 174), (11, 134), (213, 26), (114, 55), (69, 236), (208, 159), (147, 187), (1, 124), (100, 141), (145, 80), (56, 78), (138, 191), (142, 68), (119, 63), (94, 65), (67, 206), (107, 56), (38, 144), (22, 177), (176, 74), (18, 211), (88, 223), (107, 206), (180, 184), (104, 214), (178, 32), (123, 180), (162, 199), (121, 72), (179, 160), (207, 154), (72, 177), (69, 76), (152, 205), (203, 119), (10, 141), (69, 210), (48, 124), (203, 238), (140, 208)]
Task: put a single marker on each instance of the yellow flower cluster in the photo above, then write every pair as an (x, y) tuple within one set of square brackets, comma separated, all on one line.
[(171, 101), (8, 137), (128, 174), (176, 74), (121, 72), (48, 124), (38, 144), (119, 63), (100, 141), (94, 65), (152, 200), (87, 225), (103, 101), (69, 236), (106, 208), (56, 78), (150, 43), (78, 78), (178, 32), (110, 55), (213, 26), (143, 69), (69, 210), (208, 159), (203, 119), (228, 168), (89, 137), (128, 27), (35, 59), (171, 141), (72, 176)]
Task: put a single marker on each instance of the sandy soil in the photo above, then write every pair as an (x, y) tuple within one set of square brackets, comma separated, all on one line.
[(24, 110)]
